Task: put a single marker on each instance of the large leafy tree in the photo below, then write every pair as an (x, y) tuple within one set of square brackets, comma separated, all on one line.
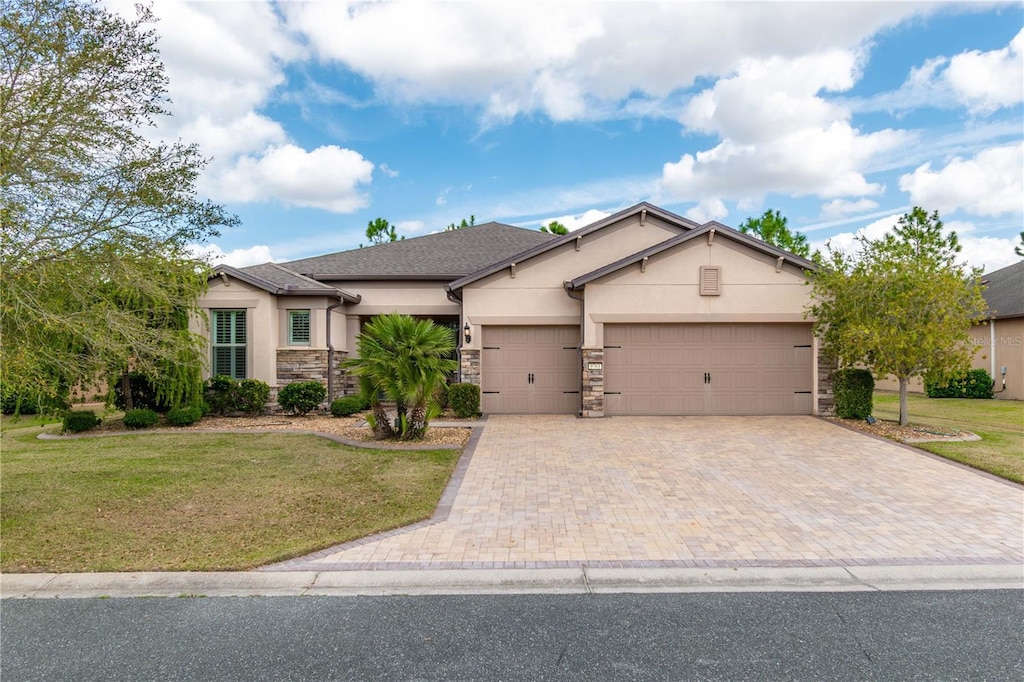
[(403, 360), (96, 218), (902, 305), (773, 227)]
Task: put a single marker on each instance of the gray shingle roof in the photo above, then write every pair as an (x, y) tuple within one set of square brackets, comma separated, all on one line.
[(444, 255), (1004, 292), (280, 281)]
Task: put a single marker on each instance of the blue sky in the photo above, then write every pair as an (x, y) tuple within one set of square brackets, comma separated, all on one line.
[(320, 116)]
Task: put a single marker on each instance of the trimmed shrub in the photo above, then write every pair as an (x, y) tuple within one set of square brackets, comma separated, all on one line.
[(977, 383), (184, 416), (76, 421), (251, 396), (140, 419), (854, 389), (301, 397), (220, 394), (347, 406), (464, 399)]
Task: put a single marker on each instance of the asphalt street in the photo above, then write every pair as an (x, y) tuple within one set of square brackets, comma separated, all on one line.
[(707, 636)]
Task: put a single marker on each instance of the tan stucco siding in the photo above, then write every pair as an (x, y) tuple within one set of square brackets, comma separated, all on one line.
[(668, 290), (535, 295), (317, 307), (1002, 345), (413, 297), (262, 324)]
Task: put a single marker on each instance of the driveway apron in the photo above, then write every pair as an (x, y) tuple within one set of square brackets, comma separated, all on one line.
[(556, 491)]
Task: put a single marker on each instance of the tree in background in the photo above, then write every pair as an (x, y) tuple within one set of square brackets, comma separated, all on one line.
[(97, 220), (772, 227), (555, 227), (380, 231), (1019, 248), (902, 305), (464, 223), (403, 360)]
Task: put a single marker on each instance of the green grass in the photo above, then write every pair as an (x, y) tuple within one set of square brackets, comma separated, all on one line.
[(173, 502), (1000, 423)]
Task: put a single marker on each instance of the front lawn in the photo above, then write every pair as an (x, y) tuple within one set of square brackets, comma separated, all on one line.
[(1000, 423), (190, 501)]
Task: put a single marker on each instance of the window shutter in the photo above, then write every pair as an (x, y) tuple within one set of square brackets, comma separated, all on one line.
[(298, 327), (710, 280)]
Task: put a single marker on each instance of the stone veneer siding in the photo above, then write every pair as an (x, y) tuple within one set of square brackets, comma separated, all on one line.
[(306, 364), (469, 366), (826, 398), (593, 383)]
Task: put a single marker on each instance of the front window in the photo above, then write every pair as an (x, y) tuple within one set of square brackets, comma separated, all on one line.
[(229, 340), (298, 327)]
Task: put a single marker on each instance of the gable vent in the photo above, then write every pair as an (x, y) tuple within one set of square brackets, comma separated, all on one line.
[(710, 280)]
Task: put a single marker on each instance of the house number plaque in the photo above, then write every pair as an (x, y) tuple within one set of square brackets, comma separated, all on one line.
[(594, 366)]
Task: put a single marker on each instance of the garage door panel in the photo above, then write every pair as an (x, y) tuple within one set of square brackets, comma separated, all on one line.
[(754, 369), (512, 354)]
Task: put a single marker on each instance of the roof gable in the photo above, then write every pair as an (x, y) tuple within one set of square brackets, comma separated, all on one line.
[(710, 231), (444, 255), (642, 209)]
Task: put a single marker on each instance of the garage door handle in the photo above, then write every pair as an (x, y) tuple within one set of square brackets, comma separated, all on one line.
[(707, 378), (529, 378)]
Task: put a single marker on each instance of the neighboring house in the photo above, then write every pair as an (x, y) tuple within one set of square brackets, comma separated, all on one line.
[(999, 338), (644, 312)]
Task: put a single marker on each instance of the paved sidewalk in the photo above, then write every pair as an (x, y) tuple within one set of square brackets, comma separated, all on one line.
[(509, 581), (725, 492)]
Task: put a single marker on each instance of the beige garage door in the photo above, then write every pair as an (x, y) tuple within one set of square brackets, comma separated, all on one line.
[(530, 370), (679, 369)]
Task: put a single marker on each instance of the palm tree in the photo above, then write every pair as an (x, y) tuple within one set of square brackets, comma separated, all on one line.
[(402, 360)]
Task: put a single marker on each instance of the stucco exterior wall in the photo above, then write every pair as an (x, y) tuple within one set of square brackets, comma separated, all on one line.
[(536, 295), (668, 290), (412, 297), (262, 324)]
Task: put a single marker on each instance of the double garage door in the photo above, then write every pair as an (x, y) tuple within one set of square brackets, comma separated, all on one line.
[(708, 369), (652, 369)]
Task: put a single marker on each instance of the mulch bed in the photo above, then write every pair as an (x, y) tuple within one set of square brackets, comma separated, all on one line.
[(353, 427), (912, 433)]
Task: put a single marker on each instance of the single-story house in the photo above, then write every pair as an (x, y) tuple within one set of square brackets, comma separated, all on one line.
[(999, 338), (643, 312)]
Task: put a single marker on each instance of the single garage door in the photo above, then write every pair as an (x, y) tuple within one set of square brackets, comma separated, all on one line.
[(530, 370), (724, 369)]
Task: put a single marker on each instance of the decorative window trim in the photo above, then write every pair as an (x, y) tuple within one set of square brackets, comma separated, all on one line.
[(299, 329), (711, 280), (229, 342)]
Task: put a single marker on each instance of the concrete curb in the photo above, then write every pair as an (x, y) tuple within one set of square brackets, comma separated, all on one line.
[(510, 581)]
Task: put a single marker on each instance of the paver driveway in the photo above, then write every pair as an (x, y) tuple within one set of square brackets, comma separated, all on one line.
[(700, 491)]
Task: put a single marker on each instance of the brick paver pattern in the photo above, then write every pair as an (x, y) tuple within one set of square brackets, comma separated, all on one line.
[(695, 491)]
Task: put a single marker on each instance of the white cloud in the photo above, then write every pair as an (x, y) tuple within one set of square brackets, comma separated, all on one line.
[(847, 241), (569, 60), (238, 258), (411, 228), (707, 210), (987, 81), (983, 82), (327, 178), (574, 222), (990, 184), (388, 170), (838, 208)]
